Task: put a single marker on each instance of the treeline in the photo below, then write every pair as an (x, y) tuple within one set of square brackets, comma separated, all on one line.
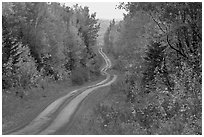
[(47, 41), (159, 48)]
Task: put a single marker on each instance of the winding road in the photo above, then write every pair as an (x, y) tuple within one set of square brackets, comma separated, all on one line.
[(58, 113)]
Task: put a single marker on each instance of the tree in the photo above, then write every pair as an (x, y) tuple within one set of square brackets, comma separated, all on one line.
[(166, 91), (155, 62), (51, 36)]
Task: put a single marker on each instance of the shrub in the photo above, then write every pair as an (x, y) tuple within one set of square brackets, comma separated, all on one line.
[(79, 76)]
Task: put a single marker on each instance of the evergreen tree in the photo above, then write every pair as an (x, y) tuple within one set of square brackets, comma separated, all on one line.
[(155, 64)]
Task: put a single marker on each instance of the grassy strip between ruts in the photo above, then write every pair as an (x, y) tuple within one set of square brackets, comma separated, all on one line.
[(17, 112), (81, 123)]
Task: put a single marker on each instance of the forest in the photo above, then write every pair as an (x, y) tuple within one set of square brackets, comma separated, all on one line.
[(156, 51), (46, 48), (157, 47), (47, 41)]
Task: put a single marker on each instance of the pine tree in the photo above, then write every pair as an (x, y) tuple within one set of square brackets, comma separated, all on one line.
[(153, 60)]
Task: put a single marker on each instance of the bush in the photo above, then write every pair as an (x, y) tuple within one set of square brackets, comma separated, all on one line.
[(79, 76), (119, 66)]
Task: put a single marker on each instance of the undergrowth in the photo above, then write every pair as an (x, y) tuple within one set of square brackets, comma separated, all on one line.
[(118, 115)]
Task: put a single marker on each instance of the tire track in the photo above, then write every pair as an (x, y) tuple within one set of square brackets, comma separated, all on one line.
[(46, 116)]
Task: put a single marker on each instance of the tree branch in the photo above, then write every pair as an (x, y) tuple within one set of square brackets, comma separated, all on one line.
[(178, 51), (157, 23), (167, 39)]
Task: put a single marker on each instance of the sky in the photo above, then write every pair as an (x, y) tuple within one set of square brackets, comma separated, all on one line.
[(104, 10)]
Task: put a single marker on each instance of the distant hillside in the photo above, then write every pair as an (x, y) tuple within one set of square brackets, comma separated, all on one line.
[(104, 23)]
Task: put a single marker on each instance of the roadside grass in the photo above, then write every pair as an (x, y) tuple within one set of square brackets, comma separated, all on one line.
[(78, 124), (86, 120), (108, 112), (114, 115), (17, 112)]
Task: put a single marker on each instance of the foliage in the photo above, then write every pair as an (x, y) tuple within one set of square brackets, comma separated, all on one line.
[(162, 63), (79, 76), (46, 40)]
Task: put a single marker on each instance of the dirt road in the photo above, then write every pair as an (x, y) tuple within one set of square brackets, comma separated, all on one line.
[(58, 113)]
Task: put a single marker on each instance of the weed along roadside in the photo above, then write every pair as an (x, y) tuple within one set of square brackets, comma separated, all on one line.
[(36, 126), (19, 112), (108, 68)]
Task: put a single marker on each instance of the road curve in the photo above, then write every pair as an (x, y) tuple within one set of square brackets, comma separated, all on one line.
[(46, 123)]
